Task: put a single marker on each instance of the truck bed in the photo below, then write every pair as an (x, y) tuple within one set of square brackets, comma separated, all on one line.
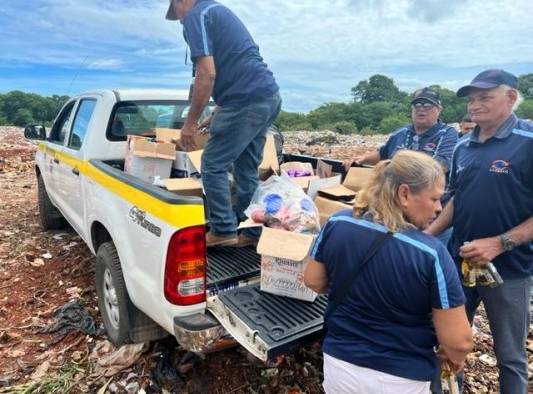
[(226, 266)]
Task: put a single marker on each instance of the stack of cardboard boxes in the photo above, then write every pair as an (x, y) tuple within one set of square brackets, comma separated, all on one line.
[(284, 255)]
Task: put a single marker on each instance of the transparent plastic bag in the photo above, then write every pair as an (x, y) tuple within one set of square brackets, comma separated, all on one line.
[(280, 203)]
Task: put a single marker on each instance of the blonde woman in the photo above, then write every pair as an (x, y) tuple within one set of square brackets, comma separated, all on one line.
[(394, 292)]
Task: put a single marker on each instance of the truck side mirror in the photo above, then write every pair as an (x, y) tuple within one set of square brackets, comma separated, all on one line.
[(35, 132)]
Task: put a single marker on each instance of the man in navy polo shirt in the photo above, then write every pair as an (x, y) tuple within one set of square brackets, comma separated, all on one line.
[(228, 66), (491, 180), (426, 134)]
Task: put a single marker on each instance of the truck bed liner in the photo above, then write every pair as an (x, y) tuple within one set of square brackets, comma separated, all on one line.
[(282, 323), (226, 265)]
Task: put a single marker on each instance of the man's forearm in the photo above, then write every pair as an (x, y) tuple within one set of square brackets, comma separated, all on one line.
[(203, 88), (443, 221), (522, 233)]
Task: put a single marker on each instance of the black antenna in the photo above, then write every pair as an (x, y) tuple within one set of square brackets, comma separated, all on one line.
[(76, 75)]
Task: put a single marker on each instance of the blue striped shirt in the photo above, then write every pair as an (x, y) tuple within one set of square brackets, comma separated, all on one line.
[(242, 77), (385, 321)]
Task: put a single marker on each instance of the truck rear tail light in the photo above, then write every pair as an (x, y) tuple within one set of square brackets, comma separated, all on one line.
[(185, 268)]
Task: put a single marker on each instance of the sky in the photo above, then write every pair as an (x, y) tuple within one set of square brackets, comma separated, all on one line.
[(316, 49)]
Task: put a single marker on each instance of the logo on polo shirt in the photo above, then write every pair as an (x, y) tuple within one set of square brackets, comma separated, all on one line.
[(429, 147), (500, 166)]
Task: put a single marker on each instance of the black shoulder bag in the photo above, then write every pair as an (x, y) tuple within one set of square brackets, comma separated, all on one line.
[(344, 289)]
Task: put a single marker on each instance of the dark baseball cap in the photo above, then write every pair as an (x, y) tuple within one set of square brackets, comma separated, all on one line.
[(426, 94), (489, 79), (171, 14)]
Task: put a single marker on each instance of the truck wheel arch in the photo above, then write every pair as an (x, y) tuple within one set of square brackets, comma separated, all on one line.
[(99, 235), (141, 328)]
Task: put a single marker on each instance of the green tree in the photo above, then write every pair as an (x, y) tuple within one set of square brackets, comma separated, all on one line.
[(292, 121), (377, 88), (328, 114), (392, 122), (526, 109), (22, 117), (525, 85)]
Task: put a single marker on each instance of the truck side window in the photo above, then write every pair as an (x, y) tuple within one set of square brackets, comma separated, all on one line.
[(81, 122), (61, 125)]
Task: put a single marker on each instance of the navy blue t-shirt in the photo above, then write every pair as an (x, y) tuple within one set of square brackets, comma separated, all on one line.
[(211, 29), (438, 142), (385, 323), (492, 185)]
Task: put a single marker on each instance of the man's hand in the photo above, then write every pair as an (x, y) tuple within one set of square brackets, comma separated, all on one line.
[(348, 162), (481, 250), (187, 137)]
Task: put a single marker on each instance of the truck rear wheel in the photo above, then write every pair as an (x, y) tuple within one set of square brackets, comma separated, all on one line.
[(124, 323), (49, 215)]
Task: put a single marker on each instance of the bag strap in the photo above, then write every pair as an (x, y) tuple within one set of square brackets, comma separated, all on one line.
[(346, 285)]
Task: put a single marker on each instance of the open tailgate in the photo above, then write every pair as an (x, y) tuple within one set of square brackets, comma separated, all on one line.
[(267, 325)]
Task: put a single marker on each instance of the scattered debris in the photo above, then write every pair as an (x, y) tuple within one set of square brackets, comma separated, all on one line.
[(110, 361), (72, 316)]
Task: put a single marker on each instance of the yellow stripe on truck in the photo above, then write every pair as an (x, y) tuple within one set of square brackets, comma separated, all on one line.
[(177, 215)]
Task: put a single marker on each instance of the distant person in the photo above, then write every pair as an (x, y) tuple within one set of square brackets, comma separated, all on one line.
[(384, 320), (491, 210), (466, 126), (427, 133), (227, 66)]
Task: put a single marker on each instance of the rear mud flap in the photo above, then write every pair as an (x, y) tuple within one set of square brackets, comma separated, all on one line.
[(268, 325)]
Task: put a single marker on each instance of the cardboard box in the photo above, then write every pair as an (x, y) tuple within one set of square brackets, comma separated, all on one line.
[(147, 159), (270, 165), (303, 181), (327, 207), (185, 186), (174, 136), (283, 261), (296, 165), (188, 162), (355, 180)]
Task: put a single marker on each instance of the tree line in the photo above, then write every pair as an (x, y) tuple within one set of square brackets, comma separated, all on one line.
[(378, 106), (20, 109)]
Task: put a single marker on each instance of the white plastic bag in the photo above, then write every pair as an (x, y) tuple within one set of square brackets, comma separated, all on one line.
[(279, 203)]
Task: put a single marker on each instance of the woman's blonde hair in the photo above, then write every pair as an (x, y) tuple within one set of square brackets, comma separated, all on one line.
[(379, 197)]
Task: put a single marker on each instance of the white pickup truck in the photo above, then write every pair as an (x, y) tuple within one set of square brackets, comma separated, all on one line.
[(154, 275)]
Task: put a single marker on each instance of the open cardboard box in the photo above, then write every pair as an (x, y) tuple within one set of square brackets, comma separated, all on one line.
[(327, 207), (355, 180), (147, 159), (302, 181), (270, 165), (189, 162), (283, 261), (174, 136), (185, 186)]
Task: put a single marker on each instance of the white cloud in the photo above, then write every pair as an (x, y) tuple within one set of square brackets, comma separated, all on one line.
[(105, 64), (317, 50)]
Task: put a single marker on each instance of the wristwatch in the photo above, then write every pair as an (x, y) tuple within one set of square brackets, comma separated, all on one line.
[(507, 243)]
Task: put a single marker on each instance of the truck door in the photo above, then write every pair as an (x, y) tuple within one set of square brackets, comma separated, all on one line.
[(70, 168), (55, 143)]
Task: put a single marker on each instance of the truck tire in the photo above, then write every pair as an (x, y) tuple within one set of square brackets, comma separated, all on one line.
[(123, 322), (49, 215)]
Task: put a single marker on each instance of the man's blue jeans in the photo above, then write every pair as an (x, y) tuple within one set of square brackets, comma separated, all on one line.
[(507, 308), (236, 138)]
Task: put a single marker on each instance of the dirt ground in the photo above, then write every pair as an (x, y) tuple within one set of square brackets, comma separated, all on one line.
[(41, 271)]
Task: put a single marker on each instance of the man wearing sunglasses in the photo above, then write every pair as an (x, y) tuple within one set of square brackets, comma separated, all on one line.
[(426, 134), (228, 66)]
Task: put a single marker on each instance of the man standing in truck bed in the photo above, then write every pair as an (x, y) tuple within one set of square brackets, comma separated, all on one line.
[(228, 66)]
